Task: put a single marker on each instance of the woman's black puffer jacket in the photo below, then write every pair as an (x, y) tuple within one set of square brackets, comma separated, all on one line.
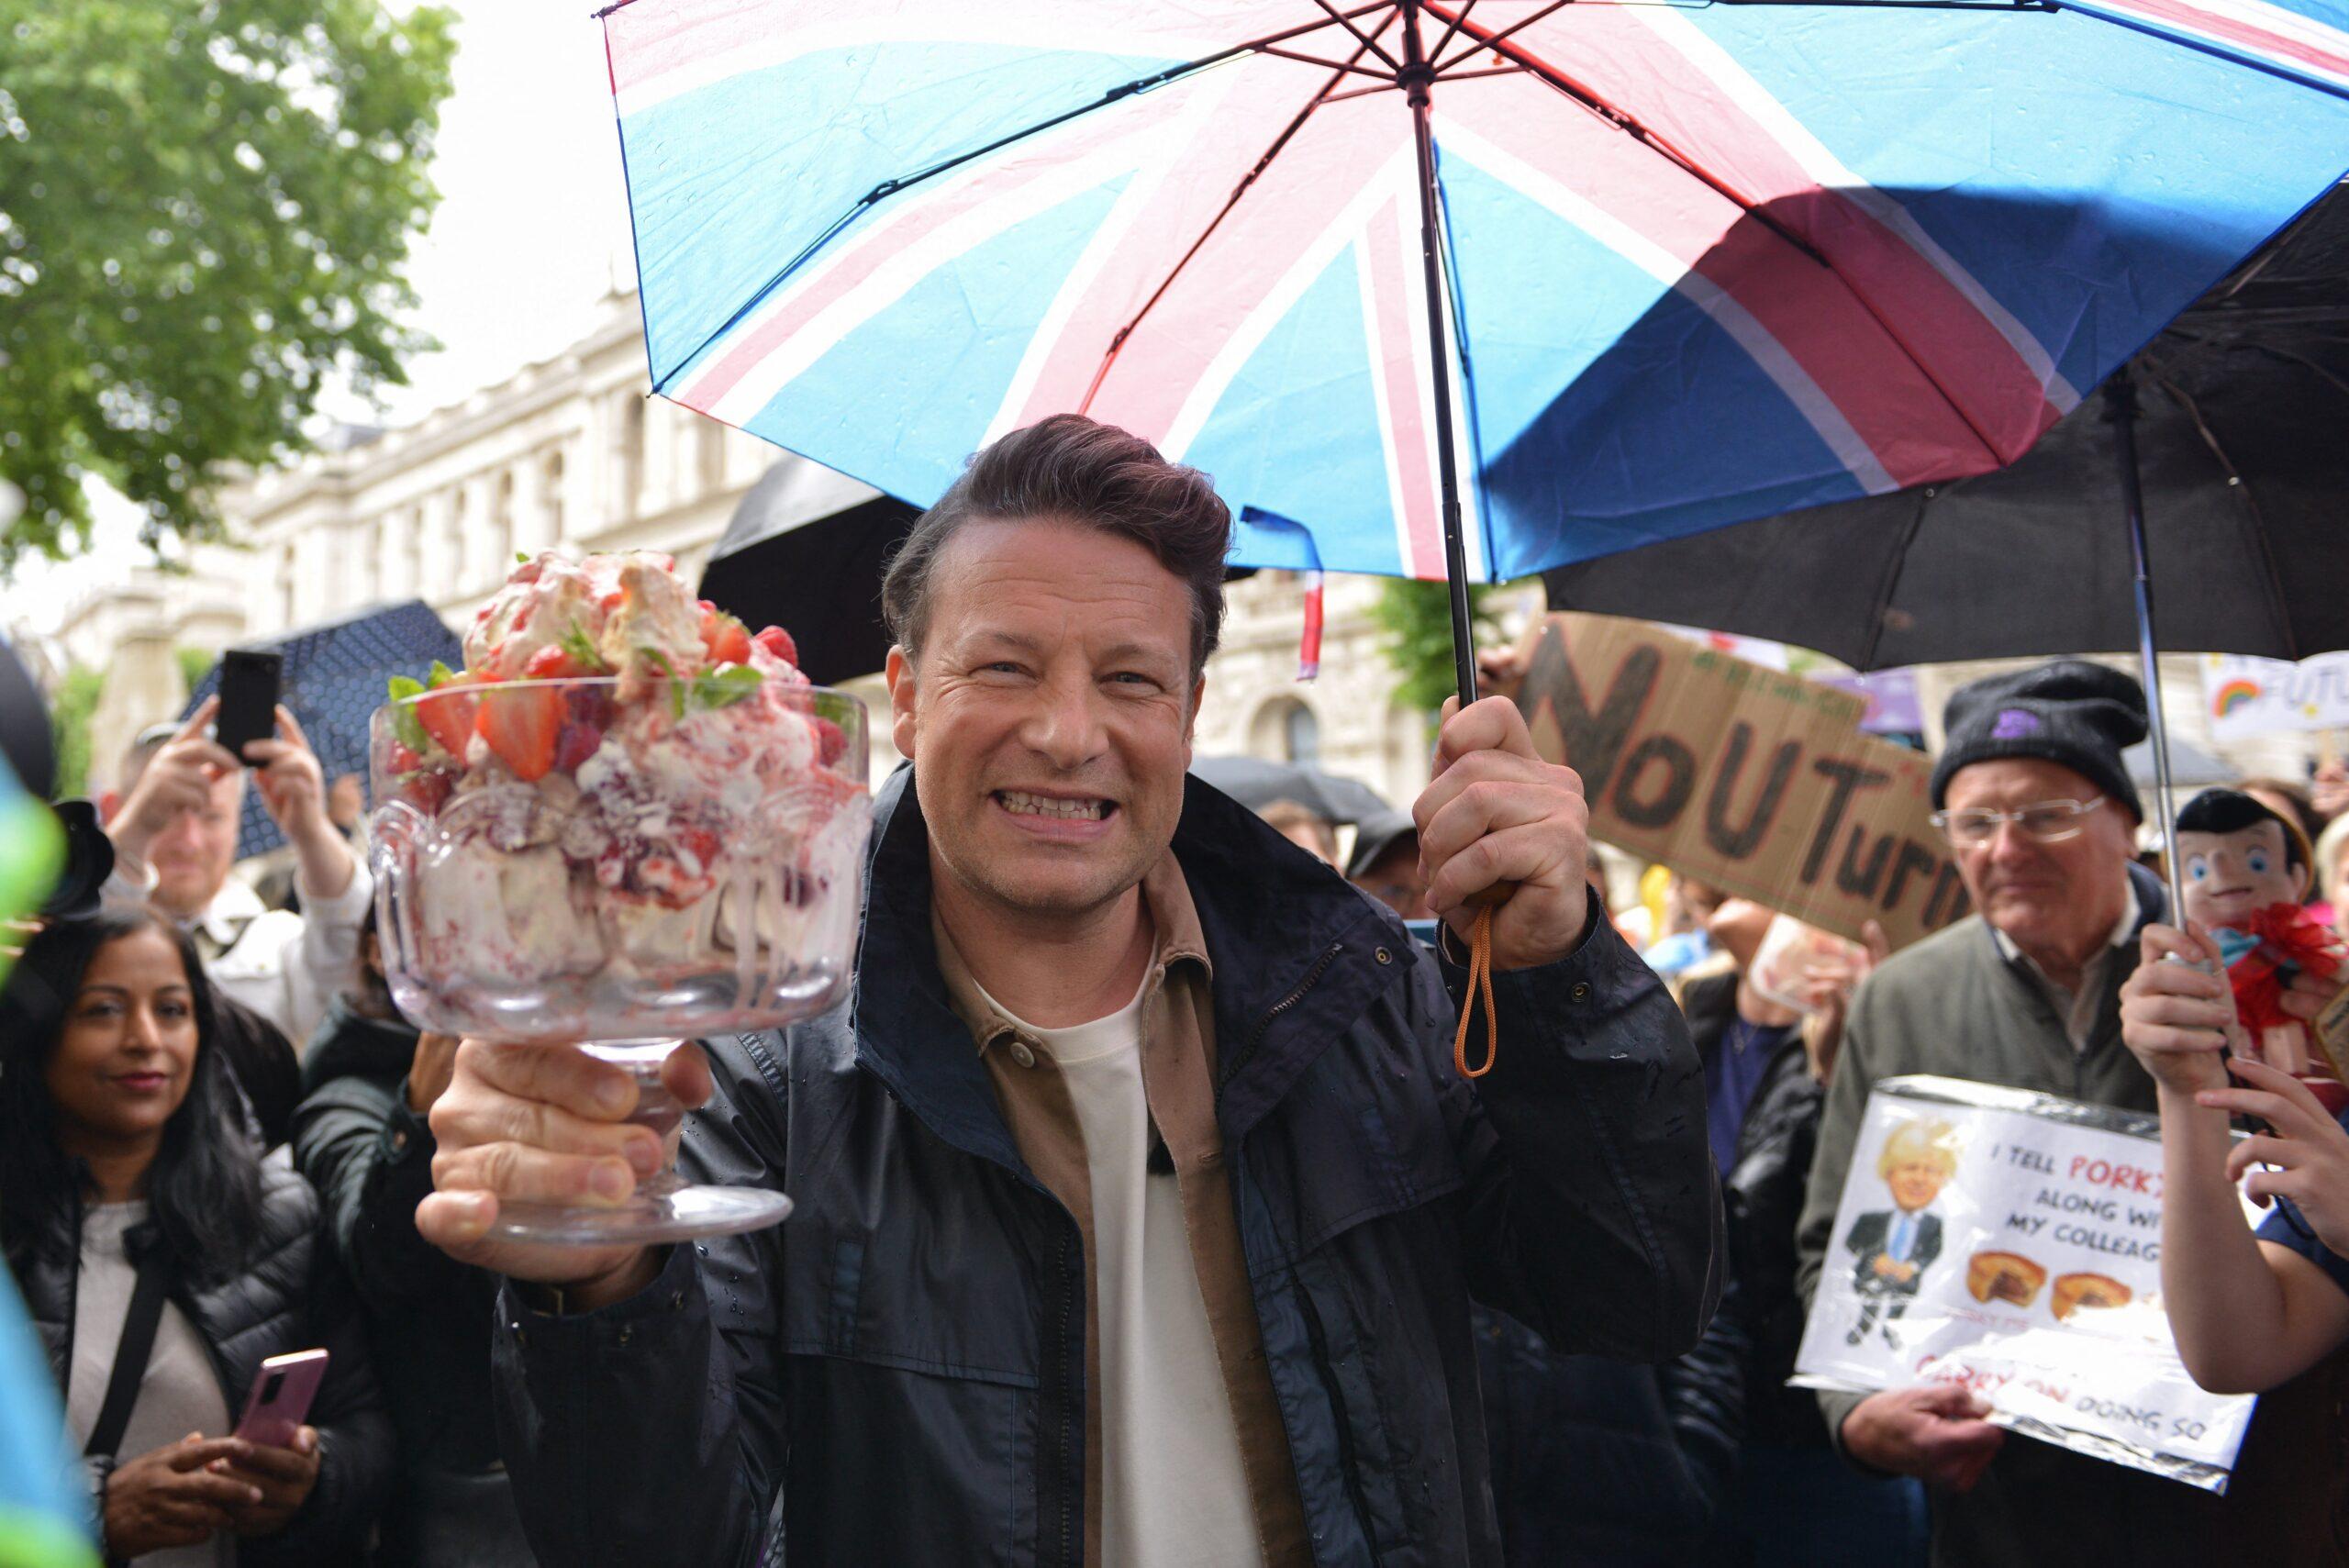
[(290, 1295)]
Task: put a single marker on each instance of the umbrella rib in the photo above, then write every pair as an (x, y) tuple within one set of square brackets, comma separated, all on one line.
[(1881, 611), (1383, 77), (890, 187), (1486, 41), (1625, 121), (1364, 38), (2280, 621), (1397, 86), (1287, 133), (1451, 31), (1628, 124)]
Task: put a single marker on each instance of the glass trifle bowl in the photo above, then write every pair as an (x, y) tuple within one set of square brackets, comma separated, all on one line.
[(619, 861)]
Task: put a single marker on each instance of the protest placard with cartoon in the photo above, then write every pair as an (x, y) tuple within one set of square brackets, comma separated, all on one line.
[(2012, 1242)]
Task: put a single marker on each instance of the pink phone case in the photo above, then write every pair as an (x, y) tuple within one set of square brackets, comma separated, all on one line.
[(280, 1401)]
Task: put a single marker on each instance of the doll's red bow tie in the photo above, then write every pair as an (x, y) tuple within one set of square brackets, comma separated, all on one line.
[(2289, 939)]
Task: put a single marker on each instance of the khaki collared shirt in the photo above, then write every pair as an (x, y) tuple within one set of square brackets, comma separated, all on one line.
[(2079, 1009), (1178, 1082)]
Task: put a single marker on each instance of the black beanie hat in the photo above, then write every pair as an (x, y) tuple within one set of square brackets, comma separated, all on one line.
[(2069, 711)]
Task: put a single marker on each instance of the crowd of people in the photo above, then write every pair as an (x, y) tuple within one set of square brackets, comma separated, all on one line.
[(1142, 1217)]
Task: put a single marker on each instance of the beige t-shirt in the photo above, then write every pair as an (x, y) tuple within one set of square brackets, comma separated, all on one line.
[(181, 1393), (1174, 1494)]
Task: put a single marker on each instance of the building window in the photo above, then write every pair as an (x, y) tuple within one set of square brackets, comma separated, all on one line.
[(501, 524), (1302, 732), (286, 595), (627, 453), (452, 541), (412, 549), (554, 491), (711, 444), (1286, 729)]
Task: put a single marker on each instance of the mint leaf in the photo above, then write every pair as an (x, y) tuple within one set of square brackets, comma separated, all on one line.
[(725, 687), (582, 648), (404, 723), (521, 558), (660, 661), (442, 675)]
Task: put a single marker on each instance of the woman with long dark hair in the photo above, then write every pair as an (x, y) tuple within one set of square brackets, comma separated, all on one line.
[(126, 1162)]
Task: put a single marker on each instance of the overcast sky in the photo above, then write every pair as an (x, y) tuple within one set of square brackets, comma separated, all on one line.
[(531, 229)]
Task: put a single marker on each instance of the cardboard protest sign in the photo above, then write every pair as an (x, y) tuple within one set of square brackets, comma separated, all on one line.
[(1754, 780), (2012, 1242)]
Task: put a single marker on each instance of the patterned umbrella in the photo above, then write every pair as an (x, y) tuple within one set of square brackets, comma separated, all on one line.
[(1452, 287), (334, 679)]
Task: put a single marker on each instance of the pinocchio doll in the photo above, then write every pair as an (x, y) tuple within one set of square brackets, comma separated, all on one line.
[(2244, 872)]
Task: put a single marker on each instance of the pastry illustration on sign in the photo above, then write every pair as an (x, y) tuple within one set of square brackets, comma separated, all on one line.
[(2005, 1276), (2075, 1292), (1892, 1248)]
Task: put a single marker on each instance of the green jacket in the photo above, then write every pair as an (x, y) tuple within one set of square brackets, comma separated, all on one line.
[(1955, 1005)]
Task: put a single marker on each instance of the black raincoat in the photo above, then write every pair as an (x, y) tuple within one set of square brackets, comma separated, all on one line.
[(895, 1375)]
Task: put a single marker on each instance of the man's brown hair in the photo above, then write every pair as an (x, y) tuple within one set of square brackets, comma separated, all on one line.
[(1073, 470)]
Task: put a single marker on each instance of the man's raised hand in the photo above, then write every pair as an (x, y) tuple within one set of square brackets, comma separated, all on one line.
[(1497, 814), (178, 778)]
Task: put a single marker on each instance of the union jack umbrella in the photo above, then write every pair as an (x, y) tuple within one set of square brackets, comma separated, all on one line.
[(1452, 287)]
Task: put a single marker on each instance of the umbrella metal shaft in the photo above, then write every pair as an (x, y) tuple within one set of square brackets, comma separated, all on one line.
[(2120, 403), (1416, 77)]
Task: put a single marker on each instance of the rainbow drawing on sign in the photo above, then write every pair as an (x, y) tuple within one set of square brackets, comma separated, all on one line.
[(2233, 696)]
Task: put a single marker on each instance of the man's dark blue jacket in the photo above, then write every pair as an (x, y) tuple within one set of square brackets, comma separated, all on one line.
[(895, 1375)]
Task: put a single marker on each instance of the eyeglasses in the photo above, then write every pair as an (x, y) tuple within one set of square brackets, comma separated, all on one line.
[(2048, 821)]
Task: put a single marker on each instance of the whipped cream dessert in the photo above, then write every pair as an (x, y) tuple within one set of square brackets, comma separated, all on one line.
[(625, 787)]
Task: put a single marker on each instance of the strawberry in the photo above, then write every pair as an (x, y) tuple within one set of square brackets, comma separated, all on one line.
[(427, 792), (522, 727), (830, 741), (555, 662), (778, 642), (725, 638), (591, 706), (577, 744), (699, 843), (402, 759), (446, 713)]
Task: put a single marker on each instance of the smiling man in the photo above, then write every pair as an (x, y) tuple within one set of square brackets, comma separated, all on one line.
[(1139, 1205)]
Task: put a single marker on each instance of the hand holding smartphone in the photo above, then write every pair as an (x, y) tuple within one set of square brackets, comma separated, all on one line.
[(280, 1401)]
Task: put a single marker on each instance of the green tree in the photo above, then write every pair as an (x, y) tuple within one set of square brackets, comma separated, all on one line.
[(69, 726), (205, 213), (1418, 619)]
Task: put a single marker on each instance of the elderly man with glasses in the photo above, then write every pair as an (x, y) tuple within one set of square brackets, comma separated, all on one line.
[(2040, 812)]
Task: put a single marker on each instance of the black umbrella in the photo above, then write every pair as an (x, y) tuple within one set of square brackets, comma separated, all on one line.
[(786, 560), (1256, 784), (2242, 430), (334, 678), (2209, 474)]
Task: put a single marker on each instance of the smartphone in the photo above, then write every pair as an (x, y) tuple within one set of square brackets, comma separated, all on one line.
[(249, 681), (280, 1401)]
